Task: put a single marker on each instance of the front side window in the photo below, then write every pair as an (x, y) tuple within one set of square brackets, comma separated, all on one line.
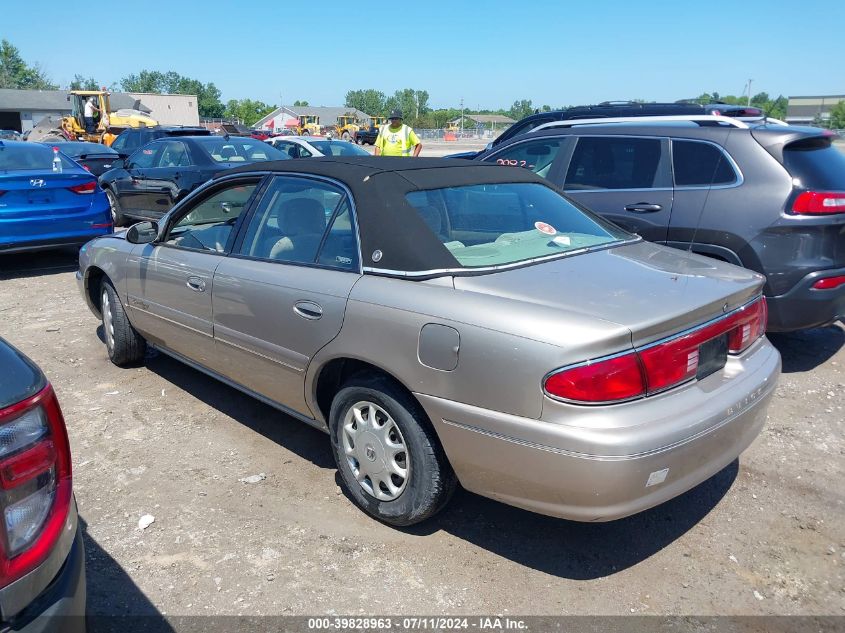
[(338, 148), (291, 221), (537, 156), (601, 162), (497, 224), (209, 223), (700, 164), (145, 157)]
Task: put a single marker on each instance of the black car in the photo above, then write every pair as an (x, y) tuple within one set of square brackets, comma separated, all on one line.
[(614, 109), (42, 557), (367, 135), (133, 138), (768, 197), (94, 157), (155, 177)]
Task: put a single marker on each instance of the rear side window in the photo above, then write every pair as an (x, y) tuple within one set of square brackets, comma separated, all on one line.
[(700, 164), (615, 163), (816, 163)]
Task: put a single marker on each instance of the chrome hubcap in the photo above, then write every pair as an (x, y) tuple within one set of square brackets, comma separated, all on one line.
[(375, 451), (112, 208), (108, 325)]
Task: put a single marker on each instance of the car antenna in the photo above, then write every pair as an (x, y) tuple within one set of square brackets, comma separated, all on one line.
[(710, 188)]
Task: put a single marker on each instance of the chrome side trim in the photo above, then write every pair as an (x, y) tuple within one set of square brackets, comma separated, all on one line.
[(231, 383), (158, 316), (252, 351), (634, 350), (500, 267), (763, 393)]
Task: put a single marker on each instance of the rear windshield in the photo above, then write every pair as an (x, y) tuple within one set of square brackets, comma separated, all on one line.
[(497, 224), (239, 150), (30, 157), (817, 163)]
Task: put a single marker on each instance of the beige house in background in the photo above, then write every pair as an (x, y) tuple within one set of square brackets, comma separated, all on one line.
[(171, 109)]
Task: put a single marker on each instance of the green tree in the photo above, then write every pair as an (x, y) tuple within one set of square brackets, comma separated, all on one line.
[(16, 73), (247, 110), (208, 95), (81, 83), (303, 104), (370, 101), (837, 116), (520, 109)]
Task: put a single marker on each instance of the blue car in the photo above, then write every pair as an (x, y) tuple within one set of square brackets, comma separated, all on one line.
[(47, 200)]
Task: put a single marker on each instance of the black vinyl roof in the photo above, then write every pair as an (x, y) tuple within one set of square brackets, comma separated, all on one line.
[(386, 221)]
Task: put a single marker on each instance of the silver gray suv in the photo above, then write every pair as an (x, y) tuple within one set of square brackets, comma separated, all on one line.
[(768, 197)]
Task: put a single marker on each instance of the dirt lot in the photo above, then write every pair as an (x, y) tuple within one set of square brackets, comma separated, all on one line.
[(765, 536)]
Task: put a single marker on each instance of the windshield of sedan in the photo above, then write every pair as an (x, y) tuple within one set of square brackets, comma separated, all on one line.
[(238, 150), (338, 148), (30, 156), (497, 224)]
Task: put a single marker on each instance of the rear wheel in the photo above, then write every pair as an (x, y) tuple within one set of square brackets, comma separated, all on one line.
[(389, 458), (117, 217), (125, 346), (52, 137), (345, 136)]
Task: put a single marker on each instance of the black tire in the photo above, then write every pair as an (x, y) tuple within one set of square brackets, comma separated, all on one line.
[(431, 480), (124, 345), (345, 136), (117, 217)]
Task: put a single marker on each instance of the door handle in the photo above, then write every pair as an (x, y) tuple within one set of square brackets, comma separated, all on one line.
[(196, 284), (643, 207), (308, 310)]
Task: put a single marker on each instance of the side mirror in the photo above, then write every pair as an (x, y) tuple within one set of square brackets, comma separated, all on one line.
[(142, 233)]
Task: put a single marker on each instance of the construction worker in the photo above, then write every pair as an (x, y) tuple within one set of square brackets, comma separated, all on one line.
[(88, 115), (397, 139)]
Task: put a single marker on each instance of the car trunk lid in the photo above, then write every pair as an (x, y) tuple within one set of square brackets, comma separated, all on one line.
[(653, 291), (36, 194)]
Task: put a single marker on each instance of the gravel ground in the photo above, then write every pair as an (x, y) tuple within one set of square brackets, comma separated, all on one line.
[(765, 536)]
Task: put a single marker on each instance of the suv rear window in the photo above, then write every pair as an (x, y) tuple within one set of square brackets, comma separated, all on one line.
[(816, 163), (700, 164)]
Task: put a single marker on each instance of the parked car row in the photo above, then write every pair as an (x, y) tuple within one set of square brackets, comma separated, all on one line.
[(526, 333)]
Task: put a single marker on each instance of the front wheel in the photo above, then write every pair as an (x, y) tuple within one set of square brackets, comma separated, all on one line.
[(389, 458), (125, 346)]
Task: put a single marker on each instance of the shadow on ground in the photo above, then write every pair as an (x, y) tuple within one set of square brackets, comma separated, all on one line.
[(560, 548), (305, 441), (807, 349), (115, 603), (39, 263)]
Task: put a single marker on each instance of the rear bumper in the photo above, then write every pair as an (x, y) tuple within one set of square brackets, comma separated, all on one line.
[(61, 606), (601, 473), (803, 307), (56, 229)]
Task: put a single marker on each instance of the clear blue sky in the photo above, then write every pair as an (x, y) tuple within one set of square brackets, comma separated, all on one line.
[(488, 53)]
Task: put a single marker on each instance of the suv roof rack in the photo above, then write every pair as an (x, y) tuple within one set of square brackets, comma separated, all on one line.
[(694, 118)]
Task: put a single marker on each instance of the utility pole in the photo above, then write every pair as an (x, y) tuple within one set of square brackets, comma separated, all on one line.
[(462, 114), (748, 102)]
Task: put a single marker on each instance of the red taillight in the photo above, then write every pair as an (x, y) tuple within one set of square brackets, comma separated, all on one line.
[(86, 167), (829, 283), (614, 379), (35, 483), (659, 366), (819, 202), (85, 187)]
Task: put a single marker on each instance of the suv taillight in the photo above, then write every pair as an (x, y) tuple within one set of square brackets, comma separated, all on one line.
[(656, 367), (819, 202), (35, 483)]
